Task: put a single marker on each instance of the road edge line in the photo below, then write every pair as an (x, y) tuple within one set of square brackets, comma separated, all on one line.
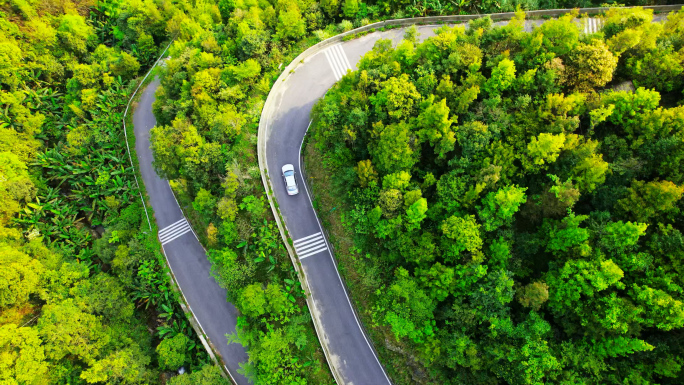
[(317, 48), (183, 302)]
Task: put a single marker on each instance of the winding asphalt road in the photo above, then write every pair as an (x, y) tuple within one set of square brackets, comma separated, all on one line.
[(185, 255), (349, 351)]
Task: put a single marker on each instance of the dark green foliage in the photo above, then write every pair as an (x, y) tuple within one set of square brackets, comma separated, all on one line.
[(208, 375), (549, 248), (208, 106)]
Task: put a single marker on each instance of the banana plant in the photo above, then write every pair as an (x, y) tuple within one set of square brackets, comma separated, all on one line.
[(173, 328), (168, 312)]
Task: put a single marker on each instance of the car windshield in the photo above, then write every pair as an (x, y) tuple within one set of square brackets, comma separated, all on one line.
[(291, 188), (289, 173)]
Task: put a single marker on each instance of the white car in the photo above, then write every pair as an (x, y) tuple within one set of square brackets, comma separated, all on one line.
[(290, 180)]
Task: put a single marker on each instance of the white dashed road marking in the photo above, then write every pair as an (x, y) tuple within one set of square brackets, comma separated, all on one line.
[(337, 60), (173, 231), (310, 245)]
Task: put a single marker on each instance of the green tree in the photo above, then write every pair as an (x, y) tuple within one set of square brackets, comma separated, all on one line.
[(410, 312), (559, 36), (627, 107), (66, 330), (463, 233), (350, 8), (502, 78), (590, 66), (390, 201), (499, 207), (398, 181), (438, 280), (246, 71), (291, 25), (533, 295), (205, 203), (435, 126), (103, 295), (22, 356), (578, 279), (366, 173), (172, 352), (662, 310), (660, 69), (127, 66), (207, 375), (646, 200), (227, 209), (545, 148), (398, 98), (590, 169), (622, 236), (16, 187), (126, 366), (566, 235), (75, 33), (620, 346), (393, 150), (230, 272), (253, 300), (415, 214), (331, 7), (20, 276), (175, 146)]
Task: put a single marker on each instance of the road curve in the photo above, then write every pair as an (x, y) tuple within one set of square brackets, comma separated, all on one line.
[(185, 255), (349, 351)]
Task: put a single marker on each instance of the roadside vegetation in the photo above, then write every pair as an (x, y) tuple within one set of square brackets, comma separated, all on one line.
[(505, 208), (85, 295), (84, 291)]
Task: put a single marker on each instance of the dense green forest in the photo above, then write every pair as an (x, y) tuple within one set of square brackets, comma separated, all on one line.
[(511, 208), (84, 291), (85, 295)]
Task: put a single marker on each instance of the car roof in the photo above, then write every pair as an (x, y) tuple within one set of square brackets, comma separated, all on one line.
[(290, 180)]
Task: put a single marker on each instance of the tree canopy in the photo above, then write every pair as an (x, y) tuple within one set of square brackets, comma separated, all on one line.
[(540, 237)]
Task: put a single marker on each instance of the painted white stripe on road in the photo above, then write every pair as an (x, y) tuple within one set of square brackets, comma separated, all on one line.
[(168, 240), (181, 230), (310, 245), (334, 69), (170, 227), (310, 236), (173, 231), (344, 57), (308, 241), (173, 235), (324, 248), (592, 25), (337, 60)]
